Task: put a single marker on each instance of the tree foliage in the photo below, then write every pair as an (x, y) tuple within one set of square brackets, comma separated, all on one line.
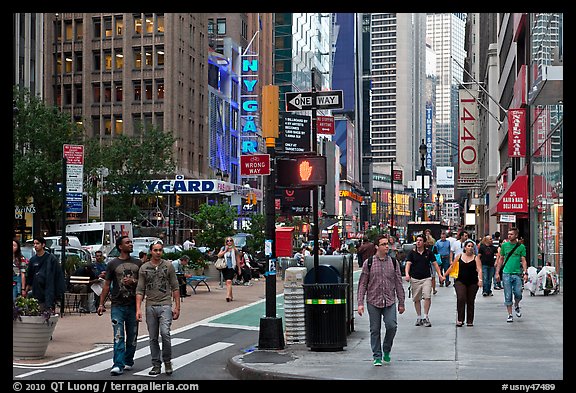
[(215, 223), (39, 133)]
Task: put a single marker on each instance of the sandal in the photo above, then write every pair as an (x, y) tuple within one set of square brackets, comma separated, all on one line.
[(459, 324)]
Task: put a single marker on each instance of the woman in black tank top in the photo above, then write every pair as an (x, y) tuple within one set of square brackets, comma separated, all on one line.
[(467, 284)]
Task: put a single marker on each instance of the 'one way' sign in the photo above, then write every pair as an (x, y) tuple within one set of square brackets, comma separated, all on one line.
[(302, 101)]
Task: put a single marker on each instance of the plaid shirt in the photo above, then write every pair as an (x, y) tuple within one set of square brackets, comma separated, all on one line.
[(383, 285)]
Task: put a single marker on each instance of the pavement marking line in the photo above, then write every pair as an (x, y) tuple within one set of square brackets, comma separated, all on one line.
[(29, 374), (184, 360), (107, 364)]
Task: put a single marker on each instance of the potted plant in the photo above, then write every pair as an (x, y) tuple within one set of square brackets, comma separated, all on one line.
[(197, 263), (31, 329)]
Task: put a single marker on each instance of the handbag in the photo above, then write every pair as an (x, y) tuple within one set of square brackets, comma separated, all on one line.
[(455, 268), (220, 263)]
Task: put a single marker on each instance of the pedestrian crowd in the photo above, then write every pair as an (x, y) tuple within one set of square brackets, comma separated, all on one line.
[(467, 265)]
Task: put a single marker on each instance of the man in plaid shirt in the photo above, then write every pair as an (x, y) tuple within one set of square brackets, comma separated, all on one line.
[(381, 283)]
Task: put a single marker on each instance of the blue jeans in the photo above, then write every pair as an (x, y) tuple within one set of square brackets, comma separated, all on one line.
[(487, 276), (125, 328), (158, 321), (445, 265), (376, 315), (512, 286)]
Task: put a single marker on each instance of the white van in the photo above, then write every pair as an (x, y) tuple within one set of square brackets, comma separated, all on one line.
[(100, 236), (54, 241)]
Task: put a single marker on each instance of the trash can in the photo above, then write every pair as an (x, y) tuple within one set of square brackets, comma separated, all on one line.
[(342, 266), (325, 316)]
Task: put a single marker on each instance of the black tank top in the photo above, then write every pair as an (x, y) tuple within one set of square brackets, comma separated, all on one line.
[(467, 273)]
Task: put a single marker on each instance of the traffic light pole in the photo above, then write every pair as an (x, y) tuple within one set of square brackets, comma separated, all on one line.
[(316, 229), (271, 330)]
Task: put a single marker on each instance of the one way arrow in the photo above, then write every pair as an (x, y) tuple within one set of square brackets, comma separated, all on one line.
[(296, 101)]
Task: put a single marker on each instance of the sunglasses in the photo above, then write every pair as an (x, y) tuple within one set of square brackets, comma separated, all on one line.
[(228, 240), (156, 242)]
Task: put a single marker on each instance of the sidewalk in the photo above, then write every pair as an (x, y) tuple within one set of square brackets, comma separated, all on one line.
[(530, 348)]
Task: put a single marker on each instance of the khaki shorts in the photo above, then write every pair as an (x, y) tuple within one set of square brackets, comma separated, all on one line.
[(421, 288)]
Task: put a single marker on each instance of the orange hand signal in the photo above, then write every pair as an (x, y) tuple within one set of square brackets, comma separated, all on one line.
[(305, 170)]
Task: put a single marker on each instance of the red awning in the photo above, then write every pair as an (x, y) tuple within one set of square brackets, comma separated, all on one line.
[(514, 200)]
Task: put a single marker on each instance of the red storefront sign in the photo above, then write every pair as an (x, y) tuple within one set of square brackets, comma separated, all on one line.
[(517, 132), (515, 198)]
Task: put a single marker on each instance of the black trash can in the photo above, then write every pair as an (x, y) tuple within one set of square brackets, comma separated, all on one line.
[(325, 316)]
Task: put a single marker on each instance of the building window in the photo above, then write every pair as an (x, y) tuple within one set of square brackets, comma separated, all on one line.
[(97, 28), (119, 26), (210, 27), (160, 57), (78, 61), (160, 20), (67, 95), (119, 60), (160, 90), (107, 126), (118, 88), (149, 94), (108, 60), (97, 61), (107, 93), (96, 89), (149, 24), (68, 63), (79, 30), (118, 126), (137, 92), (221, 25), (108, 27), (137, 58), (78, 93), (148, 56), (138, 25), (68, 31), (137, 123)]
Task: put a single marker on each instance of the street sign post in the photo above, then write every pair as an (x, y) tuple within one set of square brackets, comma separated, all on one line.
[(304, 101)]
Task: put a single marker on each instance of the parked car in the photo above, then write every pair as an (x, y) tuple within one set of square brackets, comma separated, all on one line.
[(84, 255)]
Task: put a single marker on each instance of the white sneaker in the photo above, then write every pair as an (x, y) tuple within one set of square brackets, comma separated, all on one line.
[(127, 368), (116, 371), (510, 319), (518, 312)]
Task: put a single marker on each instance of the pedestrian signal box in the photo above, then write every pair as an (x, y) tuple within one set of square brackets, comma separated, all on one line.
[(301, 171)]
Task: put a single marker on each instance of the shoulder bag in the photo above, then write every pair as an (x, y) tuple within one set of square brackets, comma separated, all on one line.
[(508, 257), (455, 267), (220, 263)]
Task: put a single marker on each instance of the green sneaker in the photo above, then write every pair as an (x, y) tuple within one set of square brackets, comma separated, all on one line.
[(377, 362), (387, 357)]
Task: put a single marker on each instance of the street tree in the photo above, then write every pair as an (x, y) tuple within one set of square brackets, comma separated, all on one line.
[(214, 223), (130, 160), (39, 133)]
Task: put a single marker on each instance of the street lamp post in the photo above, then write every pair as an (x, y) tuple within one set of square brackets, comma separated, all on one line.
[(423, 149), (438, 206)]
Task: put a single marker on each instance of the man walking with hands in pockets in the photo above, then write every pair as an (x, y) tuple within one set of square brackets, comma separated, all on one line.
[(381, 283)]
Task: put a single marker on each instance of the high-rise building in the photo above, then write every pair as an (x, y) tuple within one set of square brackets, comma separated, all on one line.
[(28, 30), (121, 73)]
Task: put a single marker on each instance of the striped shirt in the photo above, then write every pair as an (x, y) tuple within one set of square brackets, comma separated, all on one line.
[(383, 286)]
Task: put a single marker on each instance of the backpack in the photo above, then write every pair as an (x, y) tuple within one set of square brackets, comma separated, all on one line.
[(394, 262)]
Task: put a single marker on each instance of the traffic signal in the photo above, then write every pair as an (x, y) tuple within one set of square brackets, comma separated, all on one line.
[(301, 171), (270, 111), (177, 200)]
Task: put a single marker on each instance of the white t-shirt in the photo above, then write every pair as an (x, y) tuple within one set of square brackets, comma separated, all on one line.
[(456, 248)]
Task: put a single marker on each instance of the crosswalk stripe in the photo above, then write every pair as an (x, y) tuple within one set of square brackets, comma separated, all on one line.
[(183, 360), (107, 364), (28, 374)]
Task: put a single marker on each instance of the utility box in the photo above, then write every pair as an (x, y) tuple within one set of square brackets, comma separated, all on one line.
[(284, 236)]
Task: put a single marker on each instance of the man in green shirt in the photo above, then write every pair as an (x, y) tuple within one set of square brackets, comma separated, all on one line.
[(512, 255)]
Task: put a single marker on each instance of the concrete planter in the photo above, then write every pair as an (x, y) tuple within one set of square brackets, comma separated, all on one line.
[(31, 336)]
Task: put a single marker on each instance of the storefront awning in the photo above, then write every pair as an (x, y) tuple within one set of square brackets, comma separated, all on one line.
[(514, 200)]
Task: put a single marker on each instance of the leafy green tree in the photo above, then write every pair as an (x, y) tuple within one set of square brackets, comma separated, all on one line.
[(39, 133), (215, 223), (258, 231), (130, 161)]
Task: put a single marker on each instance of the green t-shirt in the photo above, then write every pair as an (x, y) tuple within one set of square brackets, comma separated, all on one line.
[(514, 264)]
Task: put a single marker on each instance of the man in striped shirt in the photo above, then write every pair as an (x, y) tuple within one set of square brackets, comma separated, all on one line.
[(381, 284)]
